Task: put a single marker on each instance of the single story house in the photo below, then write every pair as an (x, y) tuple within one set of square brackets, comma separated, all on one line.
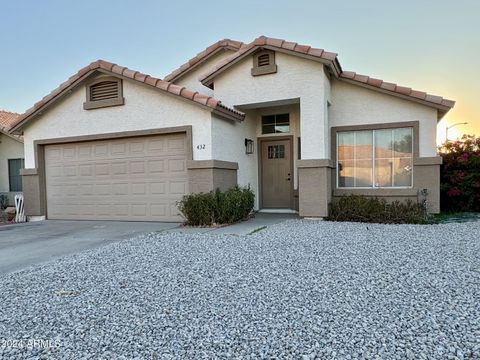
[(114, 143), (11, 157)]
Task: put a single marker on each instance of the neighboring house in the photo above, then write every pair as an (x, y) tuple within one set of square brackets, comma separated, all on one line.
[(113, 143), (11, 157)]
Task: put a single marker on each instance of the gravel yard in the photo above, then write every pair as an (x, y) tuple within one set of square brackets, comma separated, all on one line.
[(301, 289)]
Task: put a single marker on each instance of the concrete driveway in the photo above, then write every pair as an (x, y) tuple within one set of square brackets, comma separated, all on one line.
[(27, 244)]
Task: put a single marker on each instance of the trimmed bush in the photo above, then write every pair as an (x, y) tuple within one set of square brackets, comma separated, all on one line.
[(373, 210), (198, 209), (217, 207)]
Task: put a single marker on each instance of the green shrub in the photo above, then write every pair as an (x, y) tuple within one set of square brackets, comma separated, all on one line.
[(373, 210), (198, 209), (217, 207)]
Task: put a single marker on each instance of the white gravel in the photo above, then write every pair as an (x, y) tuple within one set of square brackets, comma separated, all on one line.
[(302, 289)]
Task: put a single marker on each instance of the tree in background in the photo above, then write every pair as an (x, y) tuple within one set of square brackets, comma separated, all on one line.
[(460, 175)]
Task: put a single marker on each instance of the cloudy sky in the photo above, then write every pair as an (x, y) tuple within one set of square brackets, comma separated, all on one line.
[(430, 45)]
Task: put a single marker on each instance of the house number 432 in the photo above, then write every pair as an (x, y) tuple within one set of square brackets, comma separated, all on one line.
[(201, 147)]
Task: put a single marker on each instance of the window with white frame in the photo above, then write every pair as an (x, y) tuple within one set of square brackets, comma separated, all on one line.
[(375, 158)]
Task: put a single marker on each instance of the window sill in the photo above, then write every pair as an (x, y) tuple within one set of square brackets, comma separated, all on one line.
[(89, 105), (376, 192)]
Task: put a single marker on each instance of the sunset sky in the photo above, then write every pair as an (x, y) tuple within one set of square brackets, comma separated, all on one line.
[(425, 44)]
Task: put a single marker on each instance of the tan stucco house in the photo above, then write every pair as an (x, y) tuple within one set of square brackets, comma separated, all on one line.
[(11, 157), (284, 118)]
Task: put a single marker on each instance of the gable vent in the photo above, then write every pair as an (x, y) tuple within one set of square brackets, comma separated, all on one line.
[(264, 63), (264, 60), (104, 90)]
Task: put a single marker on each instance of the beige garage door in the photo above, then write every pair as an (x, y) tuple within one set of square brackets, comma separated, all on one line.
[(138, 179)]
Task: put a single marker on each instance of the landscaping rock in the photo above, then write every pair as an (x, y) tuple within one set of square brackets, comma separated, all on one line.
[(300, 289)]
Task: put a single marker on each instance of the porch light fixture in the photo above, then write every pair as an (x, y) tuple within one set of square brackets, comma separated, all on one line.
[(248, 146)]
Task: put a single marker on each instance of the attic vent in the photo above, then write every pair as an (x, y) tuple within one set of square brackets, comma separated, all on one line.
[(104, 92), (264, 63), (264, 60)]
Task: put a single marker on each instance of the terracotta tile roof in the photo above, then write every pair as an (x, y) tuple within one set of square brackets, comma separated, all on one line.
[(396, 89), (7, 120), (105, 66), (332, 60), (202, 56), (329, 58)]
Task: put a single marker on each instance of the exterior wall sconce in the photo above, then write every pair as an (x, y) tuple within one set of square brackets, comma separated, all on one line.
[(248, 146)]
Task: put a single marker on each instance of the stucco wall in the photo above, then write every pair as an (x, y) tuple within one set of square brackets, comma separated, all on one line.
[(355, 105), (229, 145), (9, 149), (145, 108), (190, 80), (295, 78)]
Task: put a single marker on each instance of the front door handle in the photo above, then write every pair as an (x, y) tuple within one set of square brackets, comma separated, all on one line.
[(288, 178)]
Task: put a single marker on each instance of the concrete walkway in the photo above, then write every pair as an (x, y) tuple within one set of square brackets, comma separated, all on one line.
[(257, 223)]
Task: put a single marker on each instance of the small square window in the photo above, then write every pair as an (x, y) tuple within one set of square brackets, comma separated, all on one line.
[(274, 124), (276, 151)]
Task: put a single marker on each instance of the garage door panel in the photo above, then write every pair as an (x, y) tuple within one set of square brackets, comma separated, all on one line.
[(156, 146), (69, 153), (86, 170), (123, 179), (156, 166), (177, 187), (137, 167), (157, 188), (158, 209), (176, 165)]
